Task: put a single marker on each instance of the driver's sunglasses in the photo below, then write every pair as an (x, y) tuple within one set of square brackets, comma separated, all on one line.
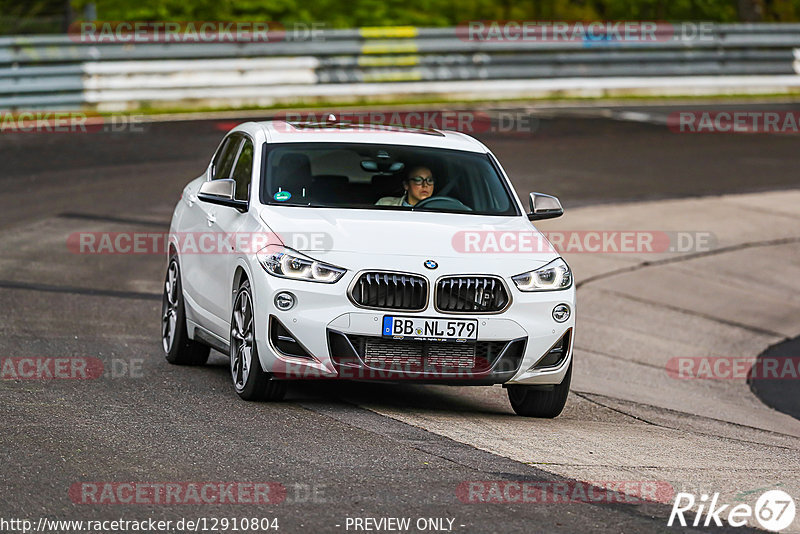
[(419, 180)]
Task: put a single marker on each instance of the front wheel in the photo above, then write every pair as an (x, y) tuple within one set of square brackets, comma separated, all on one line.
[(249, 379), (533, 401)]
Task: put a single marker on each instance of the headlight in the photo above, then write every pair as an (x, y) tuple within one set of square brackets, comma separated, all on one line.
[(287, 263), (553, 276)]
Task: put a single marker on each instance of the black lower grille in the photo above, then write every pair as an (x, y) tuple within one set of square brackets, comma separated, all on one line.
[(386, 353), (284, 341), (378, 351), (390, 291), (471, 294), (557, 353)]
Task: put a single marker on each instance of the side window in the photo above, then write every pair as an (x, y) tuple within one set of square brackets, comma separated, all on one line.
[(243, 171), (223, 162)]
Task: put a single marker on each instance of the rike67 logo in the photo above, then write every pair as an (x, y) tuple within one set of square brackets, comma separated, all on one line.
[(774, 510)]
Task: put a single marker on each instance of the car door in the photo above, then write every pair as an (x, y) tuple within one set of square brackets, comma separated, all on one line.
[(229, 222), (200, 256)]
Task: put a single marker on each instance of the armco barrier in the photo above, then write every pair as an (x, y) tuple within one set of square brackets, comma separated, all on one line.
[(61, 72)]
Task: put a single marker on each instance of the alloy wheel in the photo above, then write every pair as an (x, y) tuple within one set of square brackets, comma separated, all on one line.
[(169, 307), (241, 339)]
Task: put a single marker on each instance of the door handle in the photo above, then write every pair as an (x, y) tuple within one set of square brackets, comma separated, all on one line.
[(211, 218)]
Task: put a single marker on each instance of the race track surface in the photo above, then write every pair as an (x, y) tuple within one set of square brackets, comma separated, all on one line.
[(347, 450)]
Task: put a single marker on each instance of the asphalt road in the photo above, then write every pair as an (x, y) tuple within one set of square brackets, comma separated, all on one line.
[(147, 421)]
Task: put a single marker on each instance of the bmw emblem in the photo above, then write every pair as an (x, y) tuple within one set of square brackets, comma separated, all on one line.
[(430, 264)]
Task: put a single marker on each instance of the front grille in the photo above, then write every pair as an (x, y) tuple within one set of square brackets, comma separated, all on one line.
[(471, 294), (378, 351), (390, 291), (455, 356)]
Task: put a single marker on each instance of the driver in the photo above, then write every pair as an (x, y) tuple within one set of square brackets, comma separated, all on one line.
[(418, 185)]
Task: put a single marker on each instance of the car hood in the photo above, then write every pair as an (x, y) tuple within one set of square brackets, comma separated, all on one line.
[(338, 234)]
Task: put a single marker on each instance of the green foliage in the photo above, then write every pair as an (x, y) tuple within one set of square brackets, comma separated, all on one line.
[(39, 16), (355, 13), (32, 16)]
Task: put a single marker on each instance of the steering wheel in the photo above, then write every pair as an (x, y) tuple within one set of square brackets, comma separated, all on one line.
[(449, 203)]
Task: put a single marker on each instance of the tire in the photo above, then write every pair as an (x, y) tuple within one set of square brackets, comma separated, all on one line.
[(178, 348), (250, 381), (533, 401)]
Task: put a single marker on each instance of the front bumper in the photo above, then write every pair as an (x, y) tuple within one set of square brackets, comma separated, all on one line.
[(329, 328)]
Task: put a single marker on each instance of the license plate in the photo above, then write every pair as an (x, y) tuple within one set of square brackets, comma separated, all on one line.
[(426, 329)]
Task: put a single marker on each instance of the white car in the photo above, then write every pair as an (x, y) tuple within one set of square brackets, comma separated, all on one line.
[(302, 255)]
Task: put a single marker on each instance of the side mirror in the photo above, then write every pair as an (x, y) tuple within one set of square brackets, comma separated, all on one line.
[(221, 192), (544, 207)]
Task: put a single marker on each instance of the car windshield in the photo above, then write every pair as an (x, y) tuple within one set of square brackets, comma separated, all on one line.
[(384, 177)]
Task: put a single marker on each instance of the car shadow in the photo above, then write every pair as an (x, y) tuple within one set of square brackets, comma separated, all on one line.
[(485, 400), (782, 394)]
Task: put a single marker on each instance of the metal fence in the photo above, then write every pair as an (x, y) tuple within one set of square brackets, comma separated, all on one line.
[(62, 72)]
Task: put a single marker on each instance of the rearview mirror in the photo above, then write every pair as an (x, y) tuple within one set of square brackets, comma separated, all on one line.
[(221, 192), (544, 207), (382, 167)]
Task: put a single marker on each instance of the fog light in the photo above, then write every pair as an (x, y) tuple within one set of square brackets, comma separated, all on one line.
[(561, 313), (284, 301)]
